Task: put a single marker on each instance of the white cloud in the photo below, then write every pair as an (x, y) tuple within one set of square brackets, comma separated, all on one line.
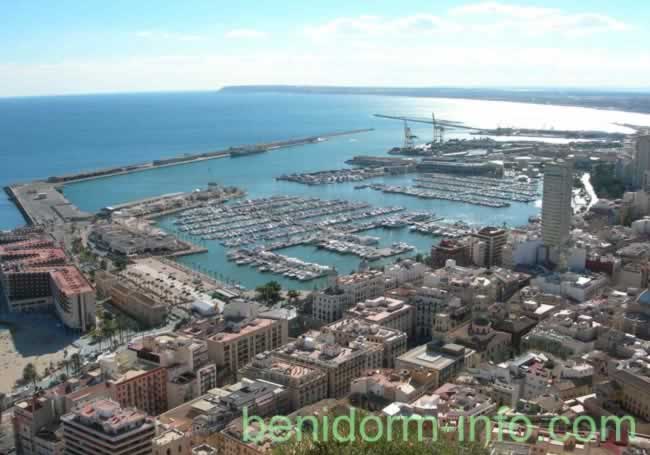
[(533, 20), (245, 33), (379, 26), (522, 12), (168, 36), (375, 66), (452, 48), (472, 18)]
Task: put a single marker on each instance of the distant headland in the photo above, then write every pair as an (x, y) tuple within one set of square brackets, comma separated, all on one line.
[(631, 100)]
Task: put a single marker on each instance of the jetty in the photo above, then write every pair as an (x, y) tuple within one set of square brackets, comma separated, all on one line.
[(42, 202)]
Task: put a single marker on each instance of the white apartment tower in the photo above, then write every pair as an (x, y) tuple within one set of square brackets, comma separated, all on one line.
[(556, 203)]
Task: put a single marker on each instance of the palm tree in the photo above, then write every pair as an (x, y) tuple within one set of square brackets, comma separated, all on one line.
[(76, 362), (30, 374), (110, 329), (293, 295)]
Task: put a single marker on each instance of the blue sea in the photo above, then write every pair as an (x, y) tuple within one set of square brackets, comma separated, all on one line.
[(45, 136)]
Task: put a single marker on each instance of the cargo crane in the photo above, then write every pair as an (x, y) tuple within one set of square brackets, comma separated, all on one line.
[(438, 130), (441, 123), (409, 137)]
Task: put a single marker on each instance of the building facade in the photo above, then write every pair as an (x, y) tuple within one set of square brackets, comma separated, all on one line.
[(556, 203), (103, 427)]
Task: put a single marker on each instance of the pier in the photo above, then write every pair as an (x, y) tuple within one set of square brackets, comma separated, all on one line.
[(43, 202)]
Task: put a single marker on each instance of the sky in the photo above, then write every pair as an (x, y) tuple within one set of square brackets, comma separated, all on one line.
[(98, 46)]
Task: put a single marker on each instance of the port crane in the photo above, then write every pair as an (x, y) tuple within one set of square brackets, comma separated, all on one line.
[(409, 137), (441, 123), (438, 130)]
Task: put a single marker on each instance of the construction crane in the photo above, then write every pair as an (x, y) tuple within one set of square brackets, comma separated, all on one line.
[(409, 137)]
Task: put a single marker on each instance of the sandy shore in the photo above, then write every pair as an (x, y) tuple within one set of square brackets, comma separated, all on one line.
[(38, 342)]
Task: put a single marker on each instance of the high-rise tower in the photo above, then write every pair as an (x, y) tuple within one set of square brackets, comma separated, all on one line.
[(556, 203)]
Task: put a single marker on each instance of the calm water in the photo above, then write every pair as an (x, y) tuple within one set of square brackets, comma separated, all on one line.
[(47, 136)]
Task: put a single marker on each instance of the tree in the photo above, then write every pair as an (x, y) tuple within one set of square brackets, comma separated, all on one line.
[(75, 359), (109, 328), (293, 295), (419, 257), (96, 334), (120, 263), (30, 374), (269, 293)]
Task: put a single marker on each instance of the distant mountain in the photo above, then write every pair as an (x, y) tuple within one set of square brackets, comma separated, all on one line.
[(632, 100)]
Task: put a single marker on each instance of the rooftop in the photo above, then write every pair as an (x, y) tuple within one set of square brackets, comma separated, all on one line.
[(70, 281), (107, 416), (359, 327), (359, 277), (248, 328), (435, 356), (321, 348), (378, 309), (282, 367), (167, 437)]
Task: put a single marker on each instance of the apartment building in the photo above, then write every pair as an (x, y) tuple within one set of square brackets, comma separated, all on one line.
[(556, 203), (445, 360), (29, 418), (386, 312), (462, 282), (405, 271), (211, 412), (133, 297), (393, 341), (35, 276), (135, 382), (103, 427), (428, 302), (342, 363), (634, 382), (305, 384), (172, 442), (242, 340), (459, 250), (404, 386), (344, 291), (493, 239), (36, 420)]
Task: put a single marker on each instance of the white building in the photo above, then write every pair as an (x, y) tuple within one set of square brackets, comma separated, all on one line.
[(571, 285), (642, 226), (525, 377), (405, 271), (344, 291)]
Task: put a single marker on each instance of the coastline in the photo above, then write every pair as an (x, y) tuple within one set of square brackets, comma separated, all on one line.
[(422, 93)]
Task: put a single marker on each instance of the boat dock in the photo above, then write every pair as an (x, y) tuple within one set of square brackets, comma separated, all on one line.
[(271, 224), (43, 202), (440, 195)]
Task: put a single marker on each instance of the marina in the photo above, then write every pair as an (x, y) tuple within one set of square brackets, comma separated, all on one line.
[(516, 189), (334, 176), (443, 195), (448, 200), (289, 267), (253, 229)]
